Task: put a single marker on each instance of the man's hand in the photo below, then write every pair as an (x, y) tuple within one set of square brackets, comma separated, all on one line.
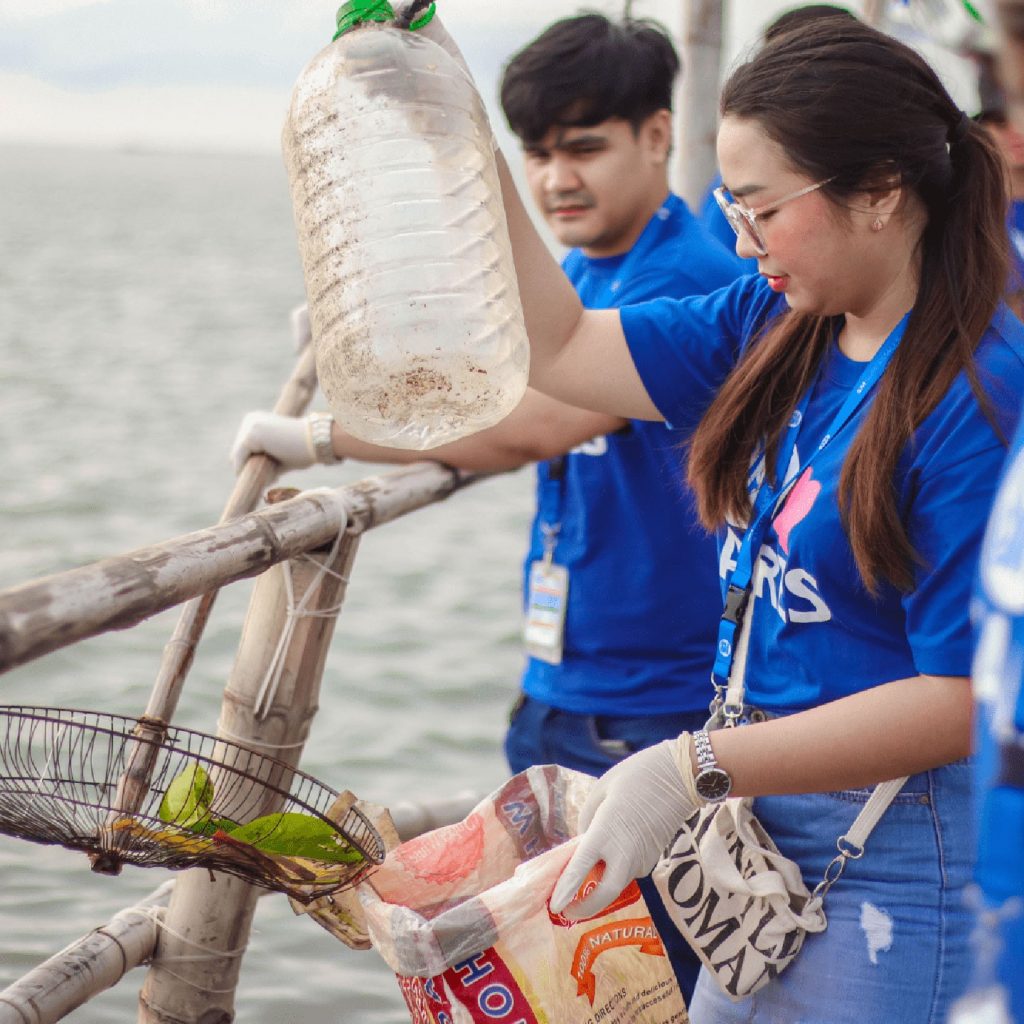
[(632, 813), (286, 439)]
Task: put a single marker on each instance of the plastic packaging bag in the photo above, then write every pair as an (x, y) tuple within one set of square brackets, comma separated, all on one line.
[(461, 915)]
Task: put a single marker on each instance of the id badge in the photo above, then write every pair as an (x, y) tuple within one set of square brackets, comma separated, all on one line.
[(547, 597)]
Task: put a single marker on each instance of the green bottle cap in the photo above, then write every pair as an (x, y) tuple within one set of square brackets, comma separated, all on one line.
[(424, 18), (356, 12)]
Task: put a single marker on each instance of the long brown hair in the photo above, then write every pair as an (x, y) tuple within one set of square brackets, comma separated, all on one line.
[(850, 104)]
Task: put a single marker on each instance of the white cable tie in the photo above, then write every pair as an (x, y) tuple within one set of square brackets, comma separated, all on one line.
[(210, 953), (330, 572), (322, 613), (275, 670), (272, 678), (198, 986), (248, 741), (156, 915)]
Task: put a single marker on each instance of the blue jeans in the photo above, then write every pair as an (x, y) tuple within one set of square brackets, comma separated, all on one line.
[(896, 946), (540, 734)]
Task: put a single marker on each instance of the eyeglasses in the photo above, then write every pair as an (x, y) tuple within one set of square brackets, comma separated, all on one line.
[(743, 219)]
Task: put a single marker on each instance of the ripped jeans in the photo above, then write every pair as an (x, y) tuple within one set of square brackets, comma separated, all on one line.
[(896, 947)]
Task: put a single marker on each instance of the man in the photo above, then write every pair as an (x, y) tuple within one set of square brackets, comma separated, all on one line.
[(622, 595)]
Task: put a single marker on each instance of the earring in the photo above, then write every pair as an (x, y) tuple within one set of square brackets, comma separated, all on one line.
[(877, 224)]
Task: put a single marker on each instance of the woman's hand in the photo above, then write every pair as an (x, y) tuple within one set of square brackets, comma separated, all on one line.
[(633, 812)]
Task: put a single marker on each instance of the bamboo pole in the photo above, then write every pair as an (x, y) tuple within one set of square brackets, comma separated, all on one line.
[(698, 106), (257, 474), (413, 818), (98, 960), (1010, 52), (45, 615), (269, 702), (874, 12), (88, 966)]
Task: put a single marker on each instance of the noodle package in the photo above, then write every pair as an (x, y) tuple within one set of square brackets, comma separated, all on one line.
[(461, 915)]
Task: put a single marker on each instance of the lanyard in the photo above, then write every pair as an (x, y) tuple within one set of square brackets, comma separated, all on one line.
[(770, 498), (552, 491)]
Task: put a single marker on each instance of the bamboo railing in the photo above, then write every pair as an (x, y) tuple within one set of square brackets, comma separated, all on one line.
[(304, 545), (45, 615)]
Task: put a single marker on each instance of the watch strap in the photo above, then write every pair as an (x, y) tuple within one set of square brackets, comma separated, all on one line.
[(320, 425), (703, 750)]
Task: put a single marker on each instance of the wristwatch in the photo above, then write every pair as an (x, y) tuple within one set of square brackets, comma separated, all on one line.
[(320, 424), (711, 782)]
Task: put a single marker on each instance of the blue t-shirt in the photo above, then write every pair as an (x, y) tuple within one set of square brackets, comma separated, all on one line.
[(816, 633), (999, 692), (643, 596)]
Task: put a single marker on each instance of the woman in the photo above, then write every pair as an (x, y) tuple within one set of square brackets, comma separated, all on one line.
[(875, 210)]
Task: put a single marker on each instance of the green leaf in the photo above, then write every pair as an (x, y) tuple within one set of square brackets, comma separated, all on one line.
[(297, 835), (207, 826), (187, 799)]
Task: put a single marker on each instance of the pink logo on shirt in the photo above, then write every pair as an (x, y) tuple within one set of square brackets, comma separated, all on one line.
[(797, 507)]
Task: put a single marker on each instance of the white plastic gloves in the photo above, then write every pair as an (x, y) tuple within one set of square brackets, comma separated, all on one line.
[(284, 438), (631, 815)]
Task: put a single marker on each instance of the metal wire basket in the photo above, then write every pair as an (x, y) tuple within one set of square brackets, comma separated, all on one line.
[(131, 791)]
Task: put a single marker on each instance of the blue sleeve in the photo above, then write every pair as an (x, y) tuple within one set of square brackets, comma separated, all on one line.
[(683, 349), (953, 484)]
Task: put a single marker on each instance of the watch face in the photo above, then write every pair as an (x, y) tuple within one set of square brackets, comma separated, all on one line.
[(713, 784)]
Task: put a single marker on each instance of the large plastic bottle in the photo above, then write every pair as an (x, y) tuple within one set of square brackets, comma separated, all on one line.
[(412, 292)]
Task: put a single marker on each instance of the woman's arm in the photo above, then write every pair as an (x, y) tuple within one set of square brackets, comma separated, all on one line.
[(891, 730), (577, 356), (886, 732)]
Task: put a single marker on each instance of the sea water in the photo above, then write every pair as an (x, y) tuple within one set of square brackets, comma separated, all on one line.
[(144, 303)]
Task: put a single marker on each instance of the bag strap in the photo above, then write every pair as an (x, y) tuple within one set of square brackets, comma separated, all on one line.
[(851, 844)]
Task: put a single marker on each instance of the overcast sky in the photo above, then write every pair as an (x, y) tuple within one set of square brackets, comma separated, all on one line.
[(216, 74)]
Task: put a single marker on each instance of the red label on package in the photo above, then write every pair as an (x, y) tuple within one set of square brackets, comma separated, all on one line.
[(486, 987), (426, 1000)]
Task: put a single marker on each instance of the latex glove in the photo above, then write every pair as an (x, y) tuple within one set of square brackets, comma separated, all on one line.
[(630, 816), (284, 438)]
